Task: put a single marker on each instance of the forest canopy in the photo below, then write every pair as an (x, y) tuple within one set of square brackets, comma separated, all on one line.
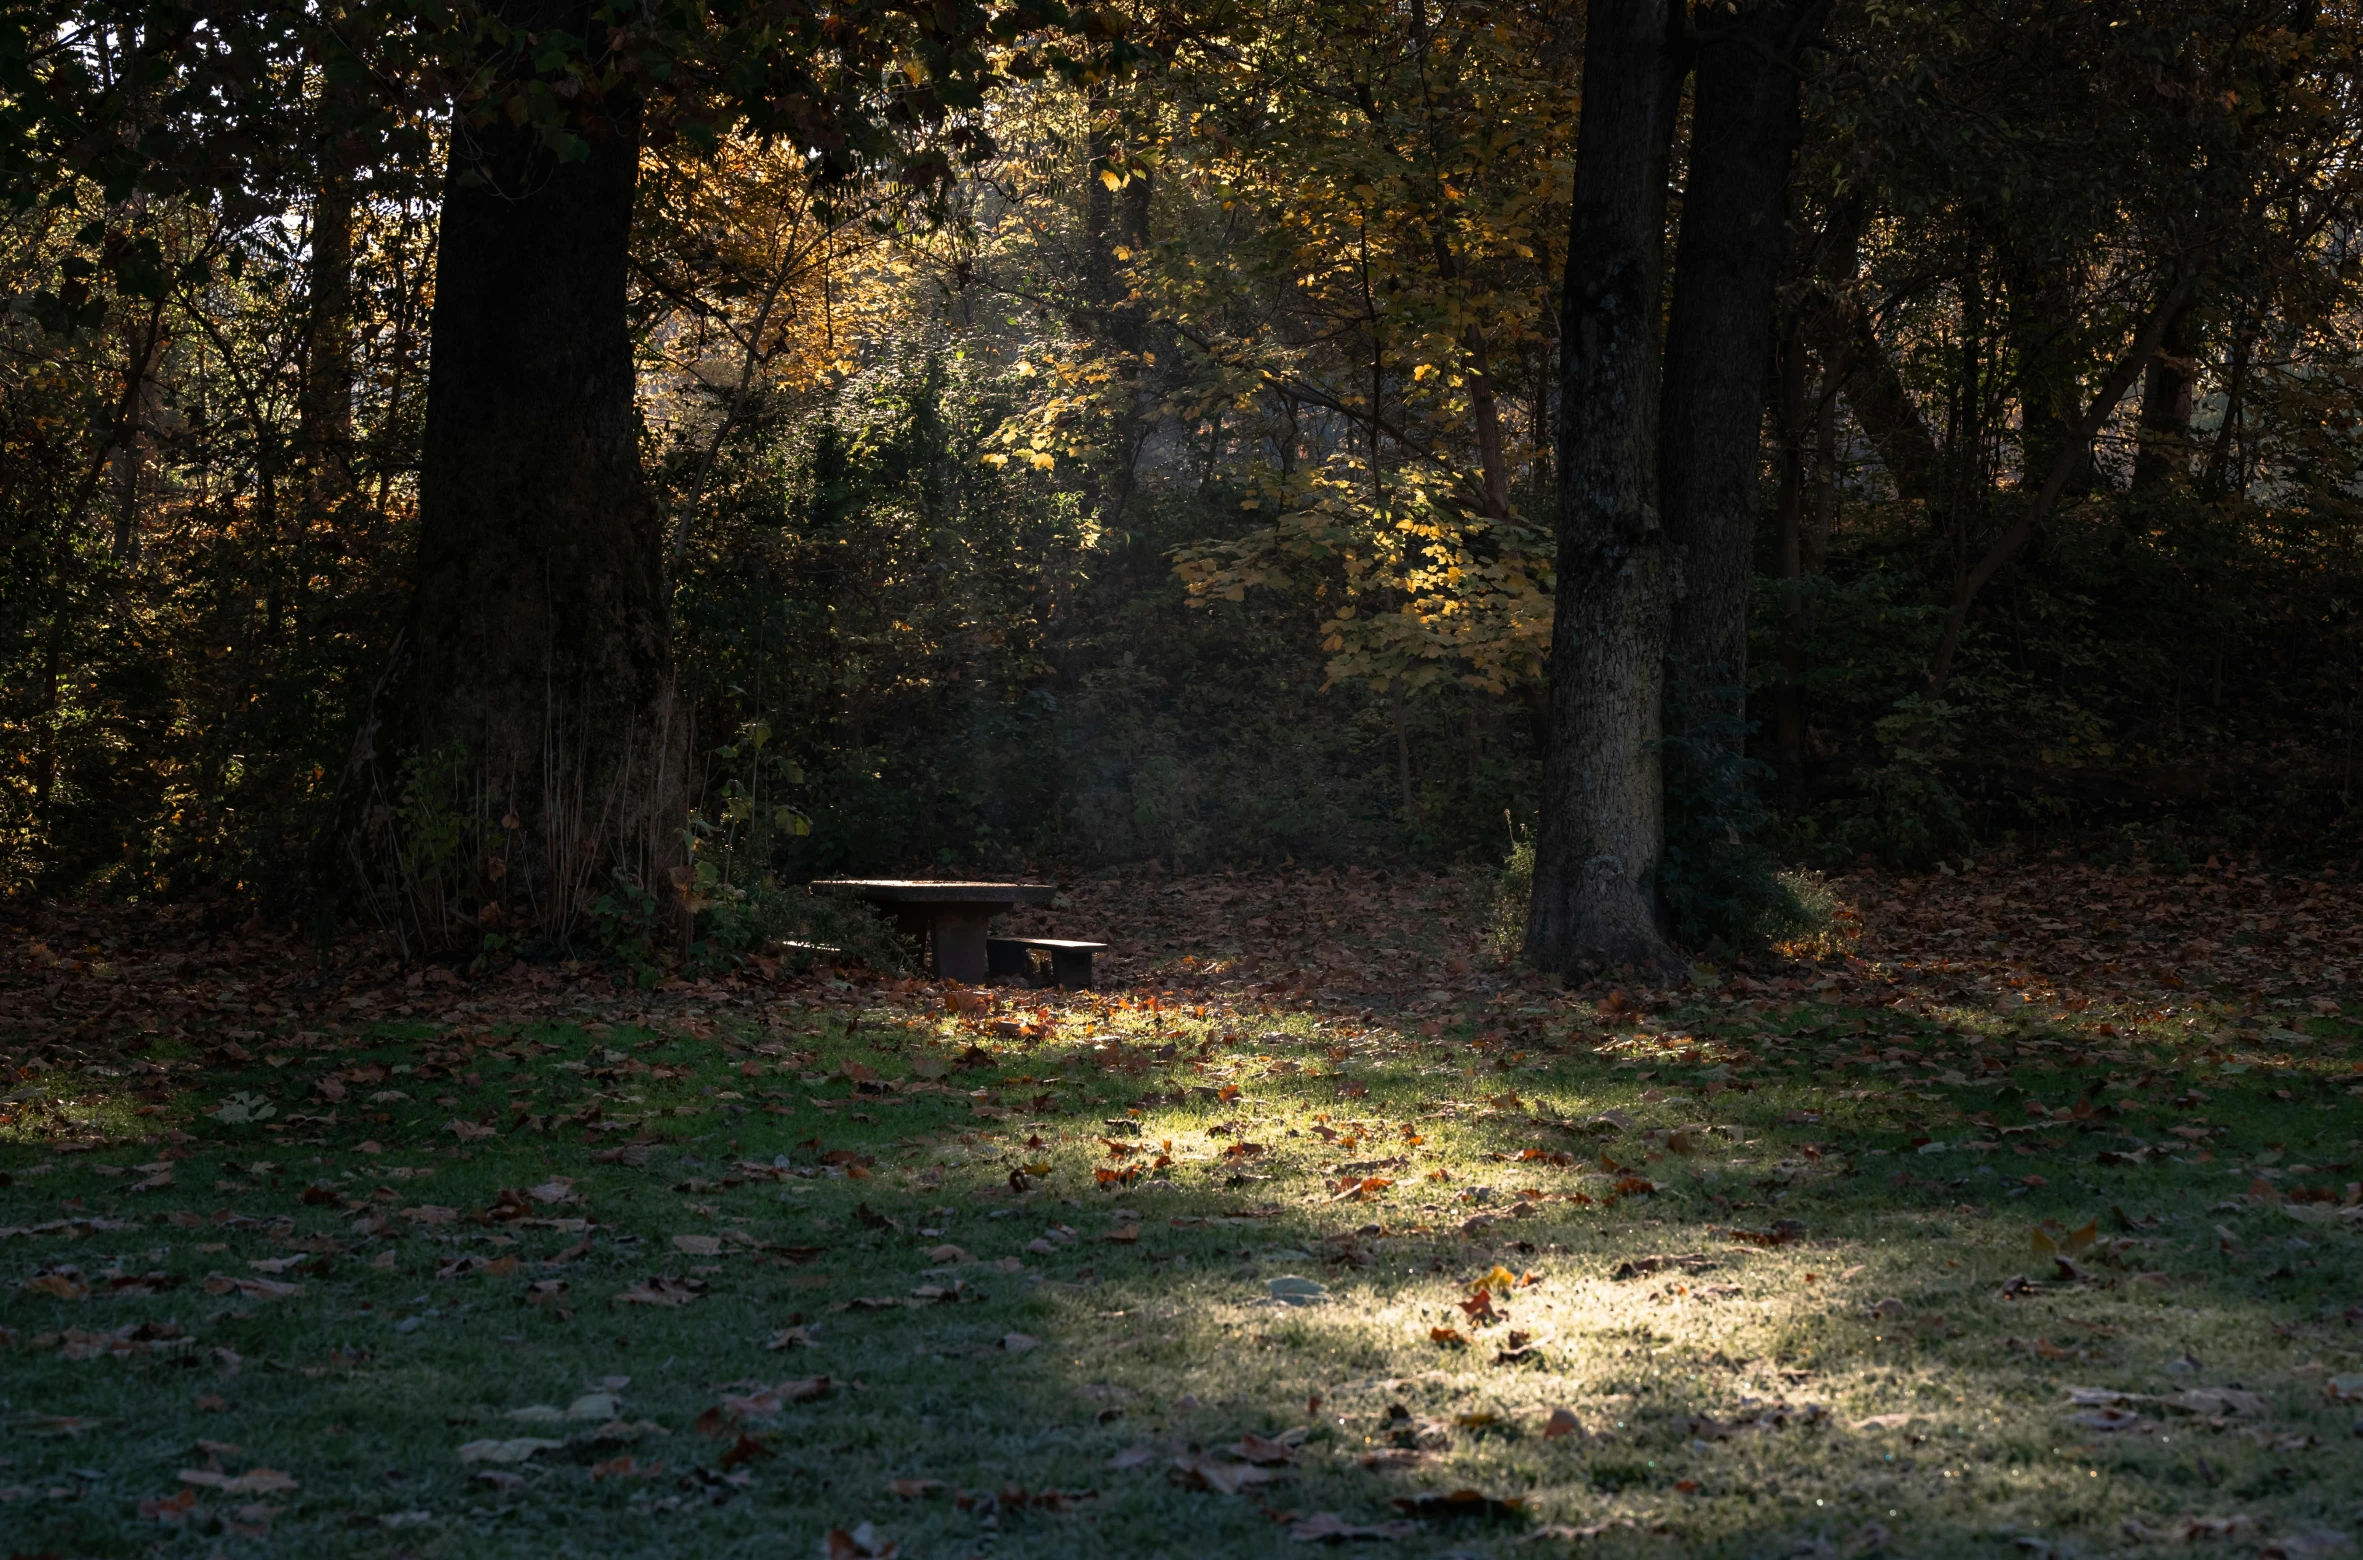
[(534, 473)]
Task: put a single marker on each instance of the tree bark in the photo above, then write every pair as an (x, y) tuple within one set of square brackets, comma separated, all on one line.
[(1115, 220), (2041, 315), (1744, 131), (129, 461), (1789, 695), (539, 614), (324, 412), (1842, 335), (2163, 457), (1603, 823)]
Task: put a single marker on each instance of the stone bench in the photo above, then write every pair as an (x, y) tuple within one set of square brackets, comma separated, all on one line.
[(1070, 962)]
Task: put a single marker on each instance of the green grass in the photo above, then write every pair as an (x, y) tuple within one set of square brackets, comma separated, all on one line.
[(1722, 1402)]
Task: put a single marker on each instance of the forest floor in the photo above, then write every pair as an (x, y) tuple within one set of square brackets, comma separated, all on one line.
[(2019, 1215)]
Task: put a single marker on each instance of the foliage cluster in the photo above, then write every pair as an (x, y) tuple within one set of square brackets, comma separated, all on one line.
[(1174, 482)]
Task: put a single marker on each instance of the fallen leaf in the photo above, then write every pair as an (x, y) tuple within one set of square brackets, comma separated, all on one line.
[(2217, 1402), (666, 1290), (863, 1543), (1459, 1503), (625, 1468), (512, 1451), (1562, 1422), (766, 1402), (1204, 1473), (255, 1481), (2313, 1544), (467, 1131), (169, 1508), (1256, 1449), (58, 1286), (1327, 1527), (698, 1245), (251, 1288), (1561, 1532), (1018, 1343)]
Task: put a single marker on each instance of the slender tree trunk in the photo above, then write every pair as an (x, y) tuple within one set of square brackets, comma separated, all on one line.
[(2073, 454), (64, 554), (1789, 697), (1402, 749), (2163, 456), (1484, 405), (2219, 458), (324, 432), (1719, 342), (539, 617), (1814, 546), (129, 461), (1603, 824), (1115, 228)]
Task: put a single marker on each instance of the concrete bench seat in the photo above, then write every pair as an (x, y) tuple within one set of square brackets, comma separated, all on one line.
[(1070, 962)]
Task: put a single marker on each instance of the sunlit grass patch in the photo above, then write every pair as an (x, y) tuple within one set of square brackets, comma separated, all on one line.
[(1769, 1268)]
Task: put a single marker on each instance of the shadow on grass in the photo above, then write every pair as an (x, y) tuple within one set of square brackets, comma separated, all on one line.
[(1850, 1344)]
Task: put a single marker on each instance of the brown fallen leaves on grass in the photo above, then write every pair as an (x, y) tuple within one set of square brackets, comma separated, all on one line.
[(664, 1290), (516, 1449), (122, 1343), (761, 1403), (255, 1481), (1459, 1503), (1204, 1472), (251, 1288), (861, 1543), (1327, 1527)]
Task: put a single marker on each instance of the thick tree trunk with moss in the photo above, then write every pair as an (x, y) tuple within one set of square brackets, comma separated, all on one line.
[(540, 616), (1603, 824)]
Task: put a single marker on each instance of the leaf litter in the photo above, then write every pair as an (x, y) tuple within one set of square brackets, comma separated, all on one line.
[(1847, 1018)]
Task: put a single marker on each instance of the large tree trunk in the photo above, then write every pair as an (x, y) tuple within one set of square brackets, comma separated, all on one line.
[(540, 615), (1603, 823), (536, 698), (1719, 341)]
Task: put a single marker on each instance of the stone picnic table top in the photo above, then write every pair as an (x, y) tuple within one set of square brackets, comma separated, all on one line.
[(952, 916)]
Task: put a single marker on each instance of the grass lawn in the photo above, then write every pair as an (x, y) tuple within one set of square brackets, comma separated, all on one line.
[(1748, 1268)]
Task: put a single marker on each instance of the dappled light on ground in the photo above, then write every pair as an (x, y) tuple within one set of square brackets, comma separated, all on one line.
[(2022, 1218)]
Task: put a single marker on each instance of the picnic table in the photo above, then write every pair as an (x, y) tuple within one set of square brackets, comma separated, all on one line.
[(951, 916)]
